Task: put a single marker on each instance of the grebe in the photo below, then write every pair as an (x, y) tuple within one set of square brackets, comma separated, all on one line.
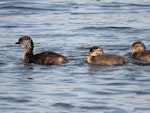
[(139, 51), (97, 56), (45, 58)]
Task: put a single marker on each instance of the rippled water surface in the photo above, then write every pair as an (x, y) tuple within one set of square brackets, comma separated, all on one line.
[(70, 28)]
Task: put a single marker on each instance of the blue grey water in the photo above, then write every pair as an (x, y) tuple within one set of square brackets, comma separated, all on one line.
[(70, 28)]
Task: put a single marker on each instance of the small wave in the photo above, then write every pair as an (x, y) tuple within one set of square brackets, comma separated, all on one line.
[(24, 8), (141, 63), (2, 63), (103, 93), (65, 105), (142, 92), (140, 5), (89, 13), (13, 99), (34, 6), (9, 26), (119, 4), (104, 28), (101, 108)]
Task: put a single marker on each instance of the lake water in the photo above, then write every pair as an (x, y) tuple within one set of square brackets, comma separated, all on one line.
[(70, 28)]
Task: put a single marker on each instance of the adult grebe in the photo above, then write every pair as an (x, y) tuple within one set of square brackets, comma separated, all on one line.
[(45, 58)]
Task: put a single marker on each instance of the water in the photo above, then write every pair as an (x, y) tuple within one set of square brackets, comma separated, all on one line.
[(71, 28)]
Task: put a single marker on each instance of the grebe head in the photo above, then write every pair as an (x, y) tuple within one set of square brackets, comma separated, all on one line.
[(96, 51), (138, 47), (26, 42)]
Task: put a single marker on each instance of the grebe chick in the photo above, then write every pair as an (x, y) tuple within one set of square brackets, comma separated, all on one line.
[(97, 56), (139, 51), (45, 58)]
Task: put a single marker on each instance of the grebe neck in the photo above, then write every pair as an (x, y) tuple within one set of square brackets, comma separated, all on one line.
[(89, 59), (28, 54)]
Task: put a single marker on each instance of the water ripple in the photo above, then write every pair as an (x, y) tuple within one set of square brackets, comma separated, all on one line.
[(64, 105), (14, 99)]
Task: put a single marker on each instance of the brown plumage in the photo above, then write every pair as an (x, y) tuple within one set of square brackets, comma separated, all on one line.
[(97, 56), (45, 58), (139, 51)]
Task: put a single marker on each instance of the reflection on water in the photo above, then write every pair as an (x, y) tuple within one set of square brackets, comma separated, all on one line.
[(71, 28)]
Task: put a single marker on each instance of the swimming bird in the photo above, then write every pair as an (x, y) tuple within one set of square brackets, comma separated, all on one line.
[(45, 58), (139, 51), (97, 56)]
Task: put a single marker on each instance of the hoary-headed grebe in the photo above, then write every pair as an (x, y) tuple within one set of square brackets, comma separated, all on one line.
[(139, 51), (97, 56), (45, 58)]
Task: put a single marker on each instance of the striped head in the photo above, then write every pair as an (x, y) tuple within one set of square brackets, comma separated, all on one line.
[(96, 51), (26, 42), (138, 47)]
